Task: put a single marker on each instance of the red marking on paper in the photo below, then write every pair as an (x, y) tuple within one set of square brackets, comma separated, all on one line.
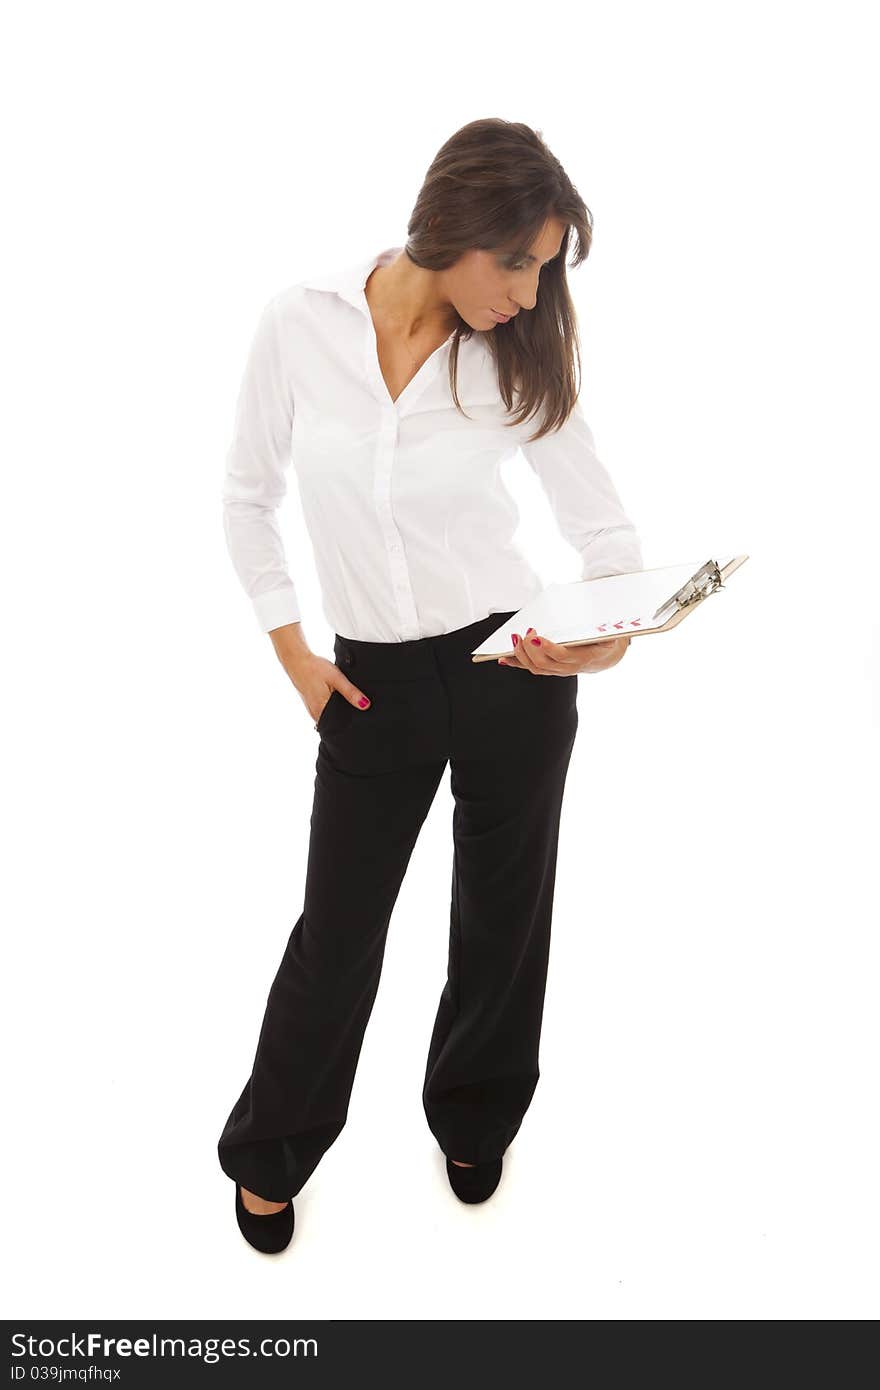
[(621, 622)]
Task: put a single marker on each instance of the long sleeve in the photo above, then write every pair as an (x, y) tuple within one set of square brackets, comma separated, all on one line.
[(255, 484), (584, 500)]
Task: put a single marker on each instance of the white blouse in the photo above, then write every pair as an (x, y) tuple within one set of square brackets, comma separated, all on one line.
[(410, 523)]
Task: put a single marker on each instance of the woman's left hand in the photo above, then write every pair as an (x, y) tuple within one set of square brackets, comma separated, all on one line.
[(546, 658)]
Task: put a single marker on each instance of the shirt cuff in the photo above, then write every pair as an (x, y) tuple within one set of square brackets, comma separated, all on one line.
[(276, 608), (613, 554)]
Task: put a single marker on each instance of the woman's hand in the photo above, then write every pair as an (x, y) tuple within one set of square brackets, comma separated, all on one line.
[(542, 657), (314, 676), (317, 679)]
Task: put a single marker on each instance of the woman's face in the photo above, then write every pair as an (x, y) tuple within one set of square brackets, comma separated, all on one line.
[(485, 284)]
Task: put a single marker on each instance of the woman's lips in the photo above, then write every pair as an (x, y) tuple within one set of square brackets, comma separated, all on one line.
[(502, 318)]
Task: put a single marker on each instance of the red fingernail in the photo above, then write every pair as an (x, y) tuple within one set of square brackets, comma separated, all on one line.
[(536, 641), (515, 636), (363, 702)]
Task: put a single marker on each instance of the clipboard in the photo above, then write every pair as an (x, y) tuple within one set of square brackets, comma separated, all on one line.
[(617, 605)]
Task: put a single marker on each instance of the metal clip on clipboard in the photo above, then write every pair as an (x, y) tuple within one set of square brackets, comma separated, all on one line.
[(706, 581)]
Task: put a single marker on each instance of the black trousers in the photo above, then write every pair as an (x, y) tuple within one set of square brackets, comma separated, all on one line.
[(507, 736)]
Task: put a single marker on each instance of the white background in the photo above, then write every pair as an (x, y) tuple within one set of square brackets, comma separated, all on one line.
[(703, 1142)]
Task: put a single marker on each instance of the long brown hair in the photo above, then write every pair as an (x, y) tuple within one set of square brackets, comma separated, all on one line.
[(492, 186)]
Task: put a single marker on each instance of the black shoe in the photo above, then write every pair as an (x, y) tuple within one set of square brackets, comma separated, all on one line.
[(476, 1183), (271, 1233)]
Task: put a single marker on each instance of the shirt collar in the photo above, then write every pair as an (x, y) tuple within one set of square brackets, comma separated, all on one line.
[(349, 282)]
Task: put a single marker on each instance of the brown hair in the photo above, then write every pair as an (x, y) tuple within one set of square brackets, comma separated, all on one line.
[(492, 186)]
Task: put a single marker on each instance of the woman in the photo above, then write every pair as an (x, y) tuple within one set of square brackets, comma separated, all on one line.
[(397, 386)]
